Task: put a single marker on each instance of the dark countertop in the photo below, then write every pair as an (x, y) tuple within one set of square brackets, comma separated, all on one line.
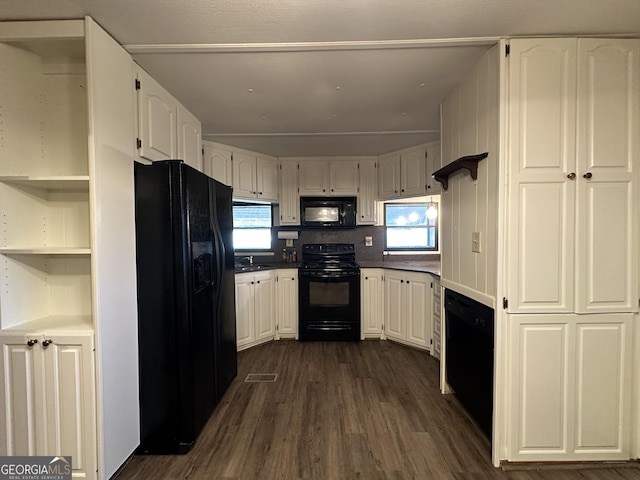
[(424, 266)]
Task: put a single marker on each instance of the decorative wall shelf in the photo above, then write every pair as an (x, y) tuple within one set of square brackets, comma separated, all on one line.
[(470, 163)]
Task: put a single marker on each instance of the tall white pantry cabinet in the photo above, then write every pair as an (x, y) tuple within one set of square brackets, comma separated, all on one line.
[(572, 243), (68, 316)]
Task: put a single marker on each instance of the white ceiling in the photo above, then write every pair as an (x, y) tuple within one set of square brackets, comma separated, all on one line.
[(327, 77)]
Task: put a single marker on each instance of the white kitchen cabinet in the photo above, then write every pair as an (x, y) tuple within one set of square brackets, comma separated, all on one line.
[(289, 198), (255, 308), (166, 129), (255, 177), (434, 162), (570, 387), (367, 192), (407, 299), (48, 405), (436, 302), (322, 177), (574, 205), (157, 119), (286, 303), (372, 302), (216, 162), (189, 138), (402, 174)]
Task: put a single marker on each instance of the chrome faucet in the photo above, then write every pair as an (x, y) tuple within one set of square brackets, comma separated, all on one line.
[(250, 258)]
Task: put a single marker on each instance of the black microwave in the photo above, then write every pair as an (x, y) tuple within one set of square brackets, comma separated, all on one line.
[(328, 212)]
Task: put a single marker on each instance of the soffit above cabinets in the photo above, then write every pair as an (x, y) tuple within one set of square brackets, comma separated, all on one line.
[(323, 77)]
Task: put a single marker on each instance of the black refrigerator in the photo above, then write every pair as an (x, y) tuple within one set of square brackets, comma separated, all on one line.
[(186, 302)]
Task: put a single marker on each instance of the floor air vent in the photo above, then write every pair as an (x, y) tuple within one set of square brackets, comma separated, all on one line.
[(261, 377)]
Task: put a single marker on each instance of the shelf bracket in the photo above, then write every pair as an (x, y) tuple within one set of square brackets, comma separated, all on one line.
[(469, 163)]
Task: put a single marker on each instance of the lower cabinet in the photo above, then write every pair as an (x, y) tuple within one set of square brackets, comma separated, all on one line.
[(570, 387), (407, 307), (372, 302), (436, 294), (255, 308), (47, 406), (286, 303)]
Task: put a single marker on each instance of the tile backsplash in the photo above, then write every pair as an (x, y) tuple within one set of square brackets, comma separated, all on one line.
[(352, 235)]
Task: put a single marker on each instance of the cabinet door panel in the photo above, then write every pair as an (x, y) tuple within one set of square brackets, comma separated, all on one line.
[(289, 198), (540, 382), (245, 307), (413, 170), (22, 405), (372, 302), (217, 164), (418, 307), (244, 176), (157, 111), (542, 154), (189, 138), (71, 400), (267, 178), (343, 177), (287, 303), (602, 357), (313, 177), (541, 248), (393, 300), (389, 177), (607, 151), (264, 307), (367, 193)]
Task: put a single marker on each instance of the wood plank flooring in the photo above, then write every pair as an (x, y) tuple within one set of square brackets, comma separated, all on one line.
[(342, 410)]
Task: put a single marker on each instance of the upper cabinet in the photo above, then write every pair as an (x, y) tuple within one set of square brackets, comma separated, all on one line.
[(189, 138), (322, 177), (166, 130), (402, 174), (434, 163), (367, 193), (216, 162), (289, 200), (574, 176), (255, 177)]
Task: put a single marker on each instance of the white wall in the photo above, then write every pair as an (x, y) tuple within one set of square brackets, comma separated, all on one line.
[(469, 127)]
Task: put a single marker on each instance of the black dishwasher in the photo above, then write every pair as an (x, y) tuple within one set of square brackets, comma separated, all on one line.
[(469, 355)]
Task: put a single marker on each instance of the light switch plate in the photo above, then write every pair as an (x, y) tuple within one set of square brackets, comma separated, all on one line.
[(475, 242)]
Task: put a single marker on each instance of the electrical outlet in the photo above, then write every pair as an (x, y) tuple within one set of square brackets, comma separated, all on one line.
[(368, 241), (475, 242)]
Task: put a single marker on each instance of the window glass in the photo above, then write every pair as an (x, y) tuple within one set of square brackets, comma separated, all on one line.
[(411, 226), (251, 227)]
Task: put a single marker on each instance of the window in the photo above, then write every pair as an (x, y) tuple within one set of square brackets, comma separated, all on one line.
[(411, 226), (251, 227)]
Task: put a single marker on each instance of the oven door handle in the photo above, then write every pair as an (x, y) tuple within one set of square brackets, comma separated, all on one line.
[(329, 276)]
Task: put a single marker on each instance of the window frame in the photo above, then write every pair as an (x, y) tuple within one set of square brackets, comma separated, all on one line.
[(418, 249), (270, 228)]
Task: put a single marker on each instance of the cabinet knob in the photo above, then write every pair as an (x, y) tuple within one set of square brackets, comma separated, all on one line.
[(407, 281), (587, 175), (402, 190), (32, 342), (323, 190), (251, 283), (571, 176), (401, 281), (258, 281), (46, 343), (366, 278), (259, 193)]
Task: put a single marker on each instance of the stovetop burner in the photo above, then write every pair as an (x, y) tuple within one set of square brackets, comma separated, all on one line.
[(334, 256)]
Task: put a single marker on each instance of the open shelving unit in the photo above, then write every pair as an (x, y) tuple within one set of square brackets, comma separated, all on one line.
[(45, 239)]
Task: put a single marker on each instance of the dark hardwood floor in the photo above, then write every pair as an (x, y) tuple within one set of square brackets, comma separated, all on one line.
[(343, 410)]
